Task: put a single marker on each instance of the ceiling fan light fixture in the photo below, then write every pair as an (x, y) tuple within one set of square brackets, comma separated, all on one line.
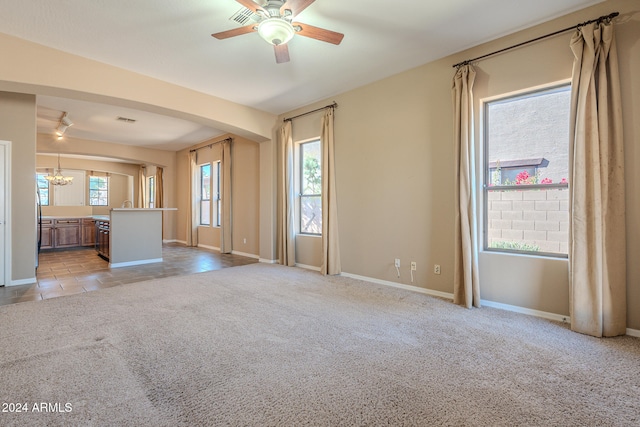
[(276, 31)]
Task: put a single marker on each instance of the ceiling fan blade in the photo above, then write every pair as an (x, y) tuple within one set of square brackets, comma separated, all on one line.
[(296, 6), (235, 32), (252, 6), (282, 53), (318, 33)]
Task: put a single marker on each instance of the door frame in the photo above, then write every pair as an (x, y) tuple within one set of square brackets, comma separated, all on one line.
[(6, 145)]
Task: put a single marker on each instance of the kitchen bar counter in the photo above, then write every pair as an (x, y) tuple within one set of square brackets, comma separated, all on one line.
[(135, 236), (97, 217)]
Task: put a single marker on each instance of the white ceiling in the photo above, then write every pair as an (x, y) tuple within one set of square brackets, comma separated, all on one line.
[(171, 40), (99, 122)]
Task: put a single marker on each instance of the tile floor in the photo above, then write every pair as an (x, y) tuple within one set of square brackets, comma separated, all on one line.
[(73, 271)]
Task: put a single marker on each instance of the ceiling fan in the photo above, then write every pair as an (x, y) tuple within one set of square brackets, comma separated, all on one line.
[(275, 25)]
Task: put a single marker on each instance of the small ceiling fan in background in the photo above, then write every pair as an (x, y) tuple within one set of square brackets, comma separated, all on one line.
[(275, 25)]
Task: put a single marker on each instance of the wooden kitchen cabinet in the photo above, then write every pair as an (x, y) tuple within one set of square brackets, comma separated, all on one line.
[(88, 232), (47, 239), (61, 233), (67, 233)]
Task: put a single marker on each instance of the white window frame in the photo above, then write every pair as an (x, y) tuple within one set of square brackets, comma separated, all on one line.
[(298, 168), (486, 175), (107, 190), (215, 199), (201, 199), (151, 191), (40, 188)]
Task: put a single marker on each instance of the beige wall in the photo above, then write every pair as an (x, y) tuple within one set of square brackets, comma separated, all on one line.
[(18, 125), (395, 165), (245, 184), (268, 200)]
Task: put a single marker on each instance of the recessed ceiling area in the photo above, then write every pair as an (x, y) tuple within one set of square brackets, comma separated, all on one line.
[(102, 122)]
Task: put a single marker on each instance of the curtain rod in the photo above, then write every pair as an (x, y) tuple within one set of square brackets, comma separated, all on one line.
[(212, 144), (334, 105), (600, 19)]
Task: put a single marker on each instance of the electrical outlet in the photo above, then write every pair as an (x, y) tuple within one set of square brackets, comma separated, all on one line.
[(397, 263), (436, 269), (414, 266)]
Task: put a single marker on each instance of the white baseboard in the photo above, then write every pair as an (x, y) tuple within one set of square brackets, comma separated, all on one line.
[(213, 248), (131, 263), (529, 311), (426, 291), (19, 282), (268, 261), (254, 256), (449, 296), (633, 332), (172, 241)]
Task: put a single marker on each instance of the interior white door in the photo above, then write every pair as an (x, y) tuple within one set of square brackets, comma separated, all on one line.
[(3, 208)]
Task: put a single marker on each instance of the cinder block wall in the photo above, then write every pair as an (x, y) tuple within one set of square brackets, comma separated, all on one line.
[(537, 217)]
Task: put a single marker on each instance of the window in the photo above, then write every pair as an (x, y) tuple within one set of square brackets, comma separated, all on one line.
[(151, 188), (526, 171), (43, 188), (205, 194), (98, 191), (310, 188), (210, 202)]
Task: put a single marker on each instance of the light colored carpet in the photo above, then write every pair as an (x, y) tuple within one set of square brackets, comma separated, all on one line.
[(265, 345)]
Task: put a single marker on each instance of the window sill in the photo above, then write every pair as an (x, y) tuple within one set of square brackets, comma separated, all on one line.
[(547, 256)]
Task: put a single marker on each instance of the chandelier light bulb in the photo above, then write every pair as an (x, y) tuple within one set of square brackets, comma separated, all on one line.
[(58, 178)]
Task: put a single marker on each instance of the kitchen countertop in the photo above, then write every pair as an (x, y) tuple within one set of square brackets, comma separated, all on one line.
[(107, 217), (98, 217), (143, 209)]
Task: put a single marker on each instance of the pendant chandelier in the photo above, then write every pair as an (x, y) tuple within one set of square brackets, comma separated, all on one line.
[(58, 178)]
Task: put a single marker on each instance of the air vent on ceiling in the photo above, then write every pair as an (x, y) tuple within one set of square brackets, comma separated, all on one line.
[(245, 17), (125, 119)]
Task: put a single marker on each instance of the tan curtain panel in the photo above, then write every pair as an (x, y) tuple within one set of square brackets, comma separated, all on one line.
[(142, 180), (226, 245), (286, 232), (192, 210), (466, 287), (330, 243), (159, 188), (597, 256)]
